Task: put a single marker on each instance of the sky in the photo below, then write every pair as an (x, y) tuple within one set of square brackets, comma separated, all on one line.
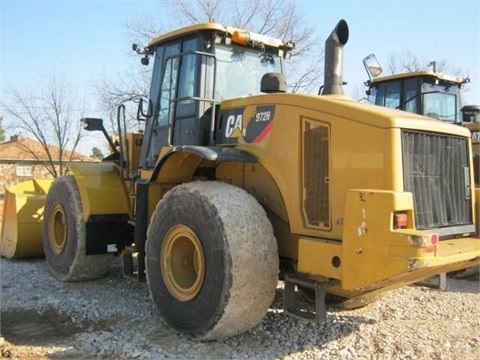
[(87, 40)]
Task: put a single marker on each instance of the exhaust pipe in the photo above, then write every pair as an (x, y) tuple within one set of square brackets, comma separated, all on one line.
[(333, 71)]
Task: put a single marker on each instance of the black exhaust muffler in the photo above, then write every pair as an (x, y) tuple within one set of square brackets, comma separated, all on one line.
[(333, 71)]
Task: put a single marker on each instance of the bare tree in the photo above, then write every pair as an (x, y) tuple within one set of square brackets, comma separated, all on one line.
[(127, 88), (2, 132), (405, 61), (276, 18), (48, 115)]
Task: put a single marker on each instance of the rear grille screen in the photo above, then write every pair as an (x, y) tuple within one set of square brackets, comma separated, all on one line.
[(436, 170)]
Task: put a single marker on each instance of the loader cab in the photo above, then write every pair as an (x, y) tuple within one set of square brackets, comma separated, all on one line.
[(194, 70), (426, 92)]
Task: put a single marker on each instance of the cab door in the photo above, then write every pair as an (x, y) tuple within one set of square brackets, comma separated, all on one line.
[(181, 95), (162, 89)]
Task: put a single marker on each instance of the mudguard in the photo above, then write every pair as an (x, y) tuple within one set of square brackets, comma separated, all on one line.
[(102, 189), (105, 205)]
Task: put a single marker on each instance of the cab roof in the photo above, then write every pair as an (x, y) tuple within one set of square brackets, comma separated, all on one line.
[(424, 73), (226, 31)]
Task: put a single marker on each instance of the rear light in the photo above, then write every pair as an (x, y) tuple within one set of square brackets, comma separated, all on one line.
[(400, 220)]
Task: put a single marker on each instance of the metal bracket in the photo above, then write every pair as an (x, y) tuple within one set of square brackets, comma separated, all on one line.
[(441, 283), (130, 265), (289, 302)]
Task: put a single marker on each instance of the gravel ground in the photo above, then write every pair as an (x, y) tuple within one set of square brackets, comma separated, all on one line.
[(114, 318)]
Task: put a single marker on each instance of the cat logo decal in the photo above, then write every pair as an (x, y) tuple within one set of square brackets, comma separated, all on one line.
[(250, 124)]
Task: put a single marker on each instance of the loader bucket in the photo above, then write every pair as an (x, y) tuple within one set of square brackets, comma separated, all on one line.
[(21, 231)]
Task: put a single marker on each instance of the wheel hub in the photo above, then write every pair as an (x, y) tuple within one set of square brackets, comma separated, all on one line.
[(182, 263), (57, 229)]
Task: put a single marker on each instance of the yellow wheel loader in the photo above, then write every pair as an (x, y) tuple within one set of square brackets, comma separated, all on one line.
[(235, 182)]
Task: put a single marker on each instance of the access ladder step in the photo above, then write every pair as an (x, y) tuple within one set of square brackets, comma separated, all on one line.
[(319, 285)]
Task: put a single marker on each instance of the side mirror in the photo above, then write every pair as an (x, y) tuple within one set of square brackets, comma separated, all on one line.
[(95, 124), (92, 124), (372, 66), (142, 115)]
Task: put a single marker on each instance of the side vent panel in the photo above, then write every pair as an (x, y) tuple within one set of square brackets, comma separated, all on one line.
[(316, 200)]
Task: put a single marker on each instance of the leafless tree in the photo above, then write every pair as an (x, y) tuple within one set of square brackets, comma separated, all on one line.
[(127, 88), (405, 61), (50, 115), (276, 18), (2, 131)]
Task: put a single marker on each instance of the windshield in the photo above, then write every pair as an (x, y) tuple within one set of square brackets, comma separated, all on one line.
[(440, 102), (239, 70)]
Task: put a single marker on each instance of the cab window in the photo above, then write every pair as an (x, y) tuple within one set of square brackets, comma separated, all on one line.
[(169, 82), (388, 94)]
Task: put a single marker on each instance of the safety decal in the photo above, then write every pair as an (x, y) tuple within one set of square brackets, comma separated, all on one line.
[(260, 124)]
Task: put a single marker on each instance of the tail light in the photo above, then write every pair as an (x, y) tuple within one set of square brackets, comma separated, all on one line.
[(400, 220)]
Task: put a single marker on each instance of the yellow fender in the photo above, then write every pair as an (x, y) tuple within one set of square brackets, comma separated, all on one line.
[(102, 189), (21, 233)]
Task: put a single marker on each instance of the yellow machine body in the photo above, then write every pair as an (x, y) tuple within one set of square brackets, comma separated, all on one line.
[(21, 231), (102, 191), (353, 239)]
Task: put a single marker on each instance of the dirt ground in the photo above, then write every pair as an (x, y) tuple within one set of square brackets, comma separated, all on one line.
[(114, 318)]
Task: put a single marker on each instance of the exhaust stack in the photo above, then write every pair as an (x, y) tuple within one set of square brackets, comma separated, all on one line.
[(333, 71)]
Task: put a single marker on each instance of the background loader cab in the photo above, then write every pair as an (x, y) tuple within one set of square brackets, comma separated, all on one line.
[(425, 92)]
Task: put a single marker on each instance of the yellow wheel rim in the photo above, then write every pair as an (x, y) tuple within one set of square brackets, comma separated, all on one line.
[(182, 263), (57, 229)]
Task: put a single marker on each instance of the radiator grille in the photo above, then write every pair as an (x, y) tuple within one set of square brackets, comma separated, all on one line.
[(436, 170), (316, 178)]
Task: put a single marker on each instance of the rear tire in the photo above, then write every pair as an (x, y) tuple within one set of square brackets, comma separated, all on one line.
[(212, 262), (64, 239)]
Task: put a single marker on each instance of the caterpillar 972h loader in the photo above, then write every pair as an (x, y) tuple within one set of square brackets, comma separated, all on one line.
[(234, 180)]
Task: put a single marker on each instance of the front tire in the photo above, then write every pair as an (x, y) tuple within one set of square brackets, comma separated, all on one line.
[(64, 236), (212, 261)]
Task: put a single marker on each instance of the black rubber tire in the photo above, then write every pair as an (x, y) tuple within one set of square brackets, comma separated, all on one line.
[(67, 259), (240, 260)]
